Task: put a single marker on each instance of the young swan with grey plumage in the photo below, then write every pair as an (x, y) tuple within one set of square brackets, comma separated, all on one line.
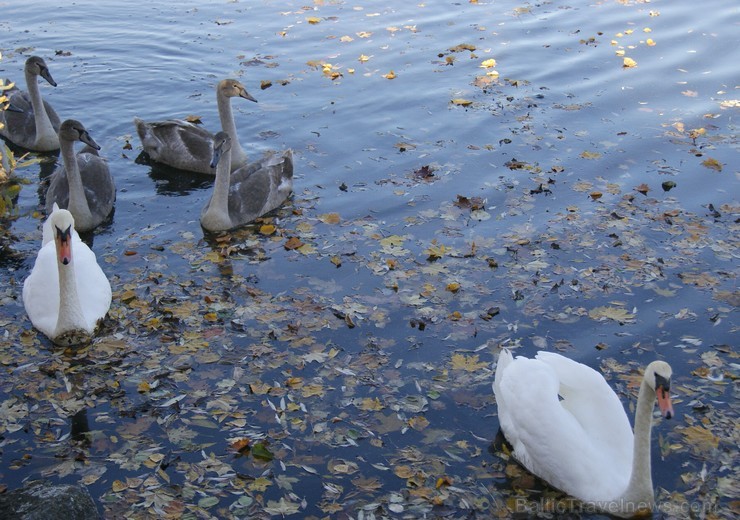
[(186, 146), (83, 184), (247, 193), (32, 123)]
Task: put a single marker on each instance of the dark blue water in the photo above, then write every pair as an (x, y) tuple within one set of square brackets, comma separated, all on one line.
[(563, 120)]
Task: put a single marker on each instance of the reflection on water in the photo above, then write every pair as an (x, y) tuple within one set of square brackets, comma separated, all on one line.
[(171, 182)]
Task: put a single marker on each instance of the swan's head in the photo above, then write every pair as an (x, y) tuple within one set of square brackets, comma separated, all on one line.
[(73, 130), (658, 377), (233, 88), (221, 145), (37, 66), (63, 224)]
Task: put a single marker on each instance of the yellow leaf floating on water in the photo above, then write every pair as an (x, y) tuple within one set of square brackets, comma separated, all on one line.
[(267, 229), (403, 471), (363, 58), (488, 64), (118, 486), (390, 75), (590, 155), (330, 218), (617, 314), (418, 422), (650, 42), (467, 363), (371, 404), (712, 164), (629, 63), (700, 439), (461, 102), (313, 20), (346, 39)]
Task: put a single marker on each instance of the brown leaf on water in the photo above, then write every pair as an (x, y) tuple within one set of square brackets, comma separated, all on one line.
[(196, 120), (241, 445), (293, 243), (699, 279), (462, 47), (642, 188), (471, 203)]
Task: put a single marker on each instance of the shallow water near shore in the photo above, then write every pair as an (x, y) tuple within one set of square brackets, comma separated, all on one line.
[(335, 359)]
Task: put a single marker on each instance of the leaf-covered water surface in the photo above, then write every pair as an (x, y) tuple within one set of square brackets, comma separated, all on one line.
[(468, 176)]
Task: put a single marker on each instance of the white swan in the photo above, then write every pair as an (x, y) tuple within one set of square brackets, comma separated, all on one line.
[(33, 123), (186, 146), (247, 193), (67, 294), (567, 426), (83, 184)]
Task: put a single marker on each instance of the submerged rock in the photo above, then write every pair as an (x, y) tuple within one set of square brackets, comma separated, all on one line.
[(40, 500)]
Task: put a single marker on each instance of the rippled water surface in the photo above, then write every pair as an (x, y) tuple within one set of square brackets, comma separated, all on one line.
[(442, 208)]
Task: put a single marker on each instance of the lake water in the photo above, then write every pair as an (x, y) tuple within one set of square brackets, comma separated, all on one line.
[(441, 210)]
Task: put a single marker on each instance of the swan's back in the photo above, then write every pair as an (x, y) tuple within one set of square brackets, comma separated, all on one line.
[(177, 143), (261, 187), (577, 444)]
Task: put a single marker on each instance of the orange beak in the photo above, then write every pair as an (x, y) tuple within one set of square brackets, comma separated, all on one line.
[(64, 245), (664, 402)]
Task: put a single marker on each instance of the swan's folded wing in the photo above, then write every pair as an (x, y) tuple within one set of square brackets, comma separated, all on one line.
[(586, 394), (41, 291), (93, 287)]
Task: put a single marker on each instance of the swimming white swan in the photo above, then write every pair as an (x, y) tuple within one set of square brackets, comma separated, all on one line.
[(247, 193), (83, 184), (186, 146), (567, 426), (33, 123), (67, 294)]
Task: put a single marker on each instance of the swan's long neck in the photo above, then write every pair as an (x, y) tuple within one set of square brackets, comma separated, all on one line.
[(46, 136), (218, 208), (71, 316), (639, 492), (77, 201), (238, 155)]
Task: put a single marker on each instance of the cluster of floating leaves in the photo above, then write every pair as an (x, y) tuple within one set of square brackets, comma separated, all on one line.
[(214, 395)]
